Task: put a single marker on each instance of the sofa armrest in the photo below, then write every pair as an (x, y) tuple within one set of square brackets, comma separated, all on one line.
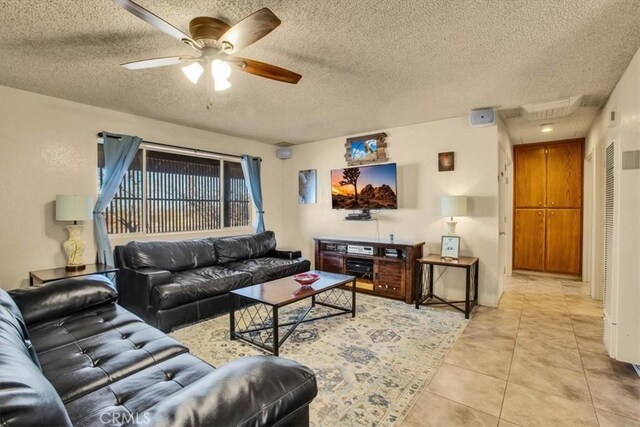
[(134, 287), (62, 297), (286, 253), (251, 391)]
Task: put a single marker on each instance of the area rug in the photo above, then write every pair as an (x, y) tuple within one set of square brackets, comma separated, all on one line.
[(370, 369)]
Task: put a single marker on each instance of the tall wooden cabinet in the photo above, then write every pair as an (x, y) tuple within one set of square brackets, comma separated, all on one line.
[(548, 188)]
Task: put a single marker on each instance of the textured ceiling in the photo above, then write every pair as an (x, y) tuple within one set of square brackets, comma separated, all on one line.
[(366, 64)]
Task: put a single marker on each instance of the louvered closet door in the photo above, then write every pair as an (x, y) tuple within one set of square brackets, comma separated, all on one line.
[(528, 244), (564, 175), (564, 241)]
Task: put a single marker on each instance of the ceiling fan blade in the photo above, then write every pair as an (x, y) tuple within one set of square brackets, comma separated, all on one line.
[(158, 62), (265, 70), (157, 22), (249, 30)]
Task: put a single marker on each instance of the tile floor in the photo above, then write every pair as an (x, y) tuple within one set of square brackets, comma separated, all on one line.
[(537, 360)]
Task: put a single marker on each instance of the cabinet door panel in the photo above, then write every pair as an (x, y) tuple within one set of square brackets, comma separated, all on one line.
[(389, 278), (530, 177), (564, 175), (528, 243), (563, 241), (332, 263)]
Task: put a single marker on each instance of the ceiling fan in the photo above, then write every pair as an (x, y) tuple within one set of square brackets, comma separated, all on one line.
[(217, 43)]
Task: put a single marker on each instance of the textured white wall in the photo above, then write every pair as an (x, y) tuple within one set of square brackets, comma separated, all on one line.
[(415, 149), (625, 101), (48, 147)]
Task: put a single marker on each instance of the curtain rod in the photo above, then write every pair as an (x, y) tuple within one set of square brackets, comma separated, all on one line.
[(195, 150)]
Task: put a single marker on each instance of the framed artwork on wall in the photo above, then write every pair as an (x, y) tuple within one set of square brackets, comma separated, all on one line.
[(450, 248), (307, 186), (446, 161), (366, 149)]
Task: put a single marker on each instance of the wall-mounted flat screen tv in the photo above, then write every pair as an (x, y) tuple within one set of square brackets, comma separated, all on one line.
[(365, 187)]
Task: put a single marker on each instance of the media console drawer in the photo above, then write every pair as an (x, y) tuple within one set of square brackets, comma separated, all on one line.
[(381, 268)]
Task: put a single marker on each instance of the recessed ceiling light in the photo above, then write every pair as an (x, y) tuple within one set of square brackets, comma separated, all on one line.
[(546, 128)]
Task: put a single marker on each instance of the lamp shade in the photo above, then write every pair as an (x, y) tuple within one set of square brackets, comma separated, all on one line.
[(453, 205), (74, 208)]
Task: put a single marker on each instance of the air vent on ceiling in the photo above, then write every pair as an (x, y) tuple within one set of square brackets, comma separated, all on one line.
[(551, 109)]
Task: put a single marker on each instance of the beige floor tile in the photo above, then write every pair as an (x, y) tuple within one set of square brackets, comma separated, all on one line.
[(560, 382), (576, 290), (469, 388), (607, 419), (548, 334), (481, 359), (549, 354), (619, 397), (505, 423), (592, 327), (594, 344), (492, 339), (597, 364), (557, 322), (431, 410), (529, 407)]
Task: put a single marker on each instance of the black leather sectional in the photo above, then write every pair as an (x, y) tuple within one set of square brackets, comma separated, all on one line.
[(70, 356), (173, 283)]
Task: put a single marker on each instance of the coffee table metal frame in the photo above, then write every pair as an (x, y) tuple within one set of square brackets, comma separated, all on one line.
[(257, 323)]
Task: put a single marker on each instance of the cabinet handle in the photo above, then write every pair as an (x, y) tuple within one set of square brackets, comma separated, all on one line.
[(552, 203), (539, 213), (553, 213), (539, 203)]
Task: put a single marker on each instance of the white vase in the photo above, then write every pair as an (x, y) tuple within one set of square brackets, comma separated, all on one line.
[(74, 247)]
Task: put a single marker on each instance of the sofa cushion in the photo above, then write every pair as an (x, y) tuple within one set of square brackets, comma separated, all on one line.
[(197, 284), (268, 268), (244, 247), (171, 255), (134, 395), (84, 366), (9, 304), (63, 297), (28, 399)]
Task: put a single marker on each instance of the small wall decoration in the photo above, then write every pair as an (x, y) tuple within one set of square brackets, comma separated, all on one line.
[(450, 247), (366, 149), (446, 161), (307, 186)]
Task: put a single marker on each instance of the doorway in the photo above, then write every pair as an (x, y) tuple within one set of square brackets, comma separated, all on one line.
[(548, 207)]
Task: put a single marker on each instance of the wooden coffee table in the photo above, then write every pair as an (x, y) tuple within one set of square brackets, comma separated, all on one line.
[(254, 309)]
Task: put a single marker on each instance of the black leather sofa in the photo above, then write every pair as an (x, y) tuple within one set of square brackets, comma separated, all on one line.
[(70, 356), (173, 283)]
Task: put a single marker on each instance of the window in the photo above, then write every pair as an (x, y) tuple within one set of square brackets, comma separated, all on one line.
[(168, 192)]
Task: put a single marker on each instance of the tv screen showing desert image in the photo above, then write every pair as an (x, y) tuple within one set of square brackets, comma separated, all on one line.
[(364, 187)]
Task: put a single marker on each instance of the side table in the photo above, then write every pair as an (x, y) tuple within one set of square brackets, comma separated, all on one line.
[(51, 274), (424, 283)]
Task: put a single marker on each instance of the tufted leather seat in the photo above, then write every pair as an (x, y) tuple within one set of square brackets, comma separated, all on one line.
[(102, 366)]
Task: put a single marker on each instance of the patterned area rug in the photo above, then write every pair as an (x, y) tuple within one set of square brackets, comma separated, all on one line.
[(369, 369)]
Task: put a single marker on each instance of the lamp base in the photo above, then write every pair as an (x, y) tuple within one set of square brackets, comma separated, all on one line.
[(74, 248), (451, 228), (75, 267)]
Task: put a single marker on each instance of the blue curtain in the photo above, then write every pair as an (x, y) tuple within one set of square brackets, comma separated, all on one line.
[(251, 170), (119, 152)]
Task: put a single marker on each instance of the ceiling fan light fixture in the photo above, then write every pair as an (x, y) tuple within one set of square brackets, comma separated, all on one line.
[(220, 85), (193, 72), (220, 70)]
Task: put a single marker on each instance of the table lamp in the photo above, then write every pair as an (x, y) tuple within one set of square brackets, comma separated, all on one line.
[(74, 208), (451, 206)]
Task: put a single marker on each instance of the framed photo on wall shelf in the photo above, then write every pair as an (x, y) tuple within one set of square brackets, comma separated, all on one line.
[(365, 149), (307, 186), (450, 247), (446, 161)]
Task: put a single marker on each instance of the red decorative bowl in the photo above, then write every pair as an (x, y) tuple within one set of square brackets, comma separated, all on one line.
[(306, 279)]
